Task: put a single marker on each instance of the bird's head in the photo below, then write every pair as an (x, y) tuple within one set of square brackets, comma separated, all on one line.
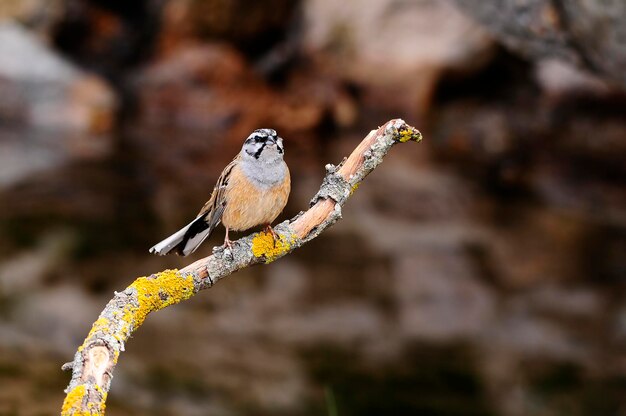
[(263, 145)]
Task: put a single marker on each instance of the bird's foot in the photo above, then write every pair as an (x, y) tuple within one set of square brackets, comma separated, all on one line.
[(228, 244)]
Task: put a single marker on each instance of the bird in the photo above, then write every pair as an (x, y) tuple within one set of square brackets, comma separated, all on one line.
[(252, 190)]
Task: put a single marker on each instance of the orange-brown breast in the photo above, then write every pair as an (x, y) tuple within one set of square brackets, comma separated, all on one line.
[(248, 206)]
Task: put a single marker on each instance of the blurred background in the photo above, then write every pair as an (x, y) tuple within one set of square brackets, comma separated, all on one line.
[(481, 272)]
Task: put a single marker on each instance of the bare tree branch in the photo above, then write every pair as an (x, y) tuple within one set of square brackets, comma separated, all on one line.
[(92, 368)]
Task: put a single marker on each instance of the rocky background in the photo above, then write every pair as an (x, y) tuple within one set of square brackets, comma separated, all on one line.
[(481, 272)]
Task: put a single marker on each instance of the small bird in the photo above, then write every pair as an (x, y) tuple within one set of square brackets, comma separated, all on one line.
[(252, 190)]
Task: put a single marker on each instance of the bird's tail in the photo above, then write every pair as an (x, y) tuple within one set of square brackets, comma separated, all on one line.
[(186, 240)]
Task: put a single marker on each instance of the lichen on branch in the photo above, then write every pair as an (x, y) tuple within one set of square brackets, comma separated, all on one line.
[(93, 364)]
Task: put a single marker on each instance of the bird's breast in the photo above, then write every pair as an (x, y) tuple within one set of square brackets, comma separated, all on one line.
[(264, 175), (248, 204)]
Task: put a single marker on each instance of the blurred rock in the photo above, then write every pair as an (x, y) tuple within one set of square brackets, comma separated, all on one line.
[(27, 271), (25, 370), (60, 315), (254, 27), (567, 30), (41, 89), (438, 297), (27, 153), (520, 333), (578, 303), (24, 154), (424, 196), (38, 15), (560, 77), (402, 37), (202, 88), (556, 136), (108, 37), (212, 89), (11, 8), (585, 21), (396, 50), (52, 113), (513, 243)]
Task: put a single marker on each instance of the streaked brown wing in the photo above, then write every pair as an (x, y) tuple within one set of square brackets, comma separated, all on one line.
[(214, 208)]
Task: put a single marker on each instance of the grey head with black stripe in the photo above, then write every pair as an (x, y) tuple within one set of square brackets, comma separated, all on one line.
[(262, 158)]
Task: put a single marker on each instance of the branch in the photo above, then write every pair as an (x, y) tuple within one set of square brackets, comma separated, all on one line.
[(92, 368)]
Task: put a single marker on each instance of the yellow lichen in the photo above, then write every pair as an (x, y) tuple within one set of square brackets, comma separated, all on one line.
[(97, 408), (102, 392), (73, 404), (74, 401), (354, 188), (154, 293), (101, 325), (409, 134), (263, 245)]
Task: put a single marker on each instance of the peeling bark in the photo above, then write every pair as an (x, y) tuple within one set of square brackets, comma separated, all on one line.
[(92, 368)]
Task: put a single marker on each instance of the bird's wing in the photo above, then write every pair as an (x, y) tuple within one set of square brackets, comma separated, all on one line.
[(214, 208)]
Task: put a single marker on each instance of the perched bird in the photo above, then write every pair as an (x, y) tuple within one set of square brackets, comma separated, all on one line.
[(252, 190)]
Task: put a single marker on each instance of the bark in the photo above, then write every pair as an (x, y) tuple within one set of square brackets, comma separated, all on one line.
[(95, 360)]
